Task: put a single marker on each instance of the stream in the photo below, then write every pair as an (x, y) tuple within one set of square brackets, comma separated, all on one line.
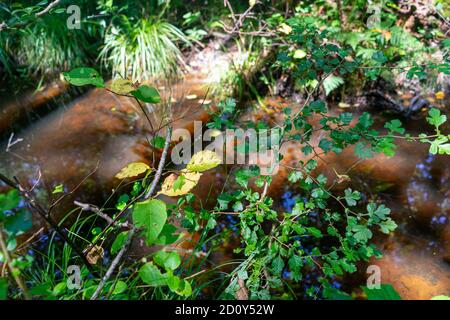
[(99, 133)]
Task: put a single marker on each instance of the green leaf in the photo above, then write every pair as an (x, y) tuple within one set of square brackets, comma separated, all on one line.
[(351, 197), (122, 86), (158, 142), (299, 54), (436, 119), (60, 288), (441, 298), (18, 223), (58, 189), (174, 282), (361, 233), (132, 170), (167, 235), (382, 212), (119, 287), (277, 265), (387, 226), (150, 215), (386, 292), (325, 145), (84, 76), (395, 126), (186, 290), (362, 152), (167, 260), (151, 275), (316, 233), (119, 242), (332, 83), (179, 182), (318, 106), (335, 294), (147, 94), (203, 161), (9, 200), (243, 175)]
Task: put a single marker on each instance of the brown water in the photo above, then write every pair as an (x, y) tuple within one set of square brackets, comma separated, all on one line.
[(100, 133)]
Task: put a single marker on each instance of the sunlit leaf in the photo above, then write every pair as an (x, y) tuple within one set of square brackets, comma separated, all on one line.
[(441, 298), (58, 189), (132, 170), (3, 288), (119, 287), (147, 94), (119, 242), (151, 275), (299, 54), (167, 260), (203, 161), (122, 86), (84, 76), (151, 215), (173, 186)]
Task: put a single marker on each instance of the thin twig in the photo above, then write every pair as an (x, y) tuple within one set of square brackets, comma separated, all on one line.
[(48, 8), (33, 204), (98, 211), (161, 164)]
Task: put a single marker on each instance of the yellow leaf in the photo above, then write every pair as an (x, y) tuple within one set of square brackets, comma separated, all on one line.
[(252, 3), (299, 54), (440, 95), (122, 86), (343, 105), (190, 180), (203, 160), (132, 170), (95, 253)]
